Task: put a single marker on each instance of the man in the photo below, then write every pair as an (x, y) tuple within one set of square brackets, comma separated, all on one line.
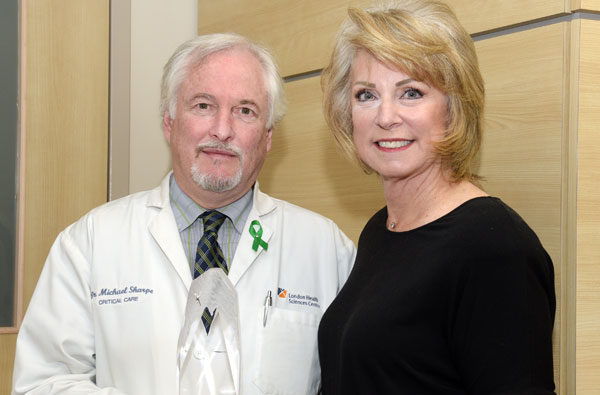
[(109, 306)]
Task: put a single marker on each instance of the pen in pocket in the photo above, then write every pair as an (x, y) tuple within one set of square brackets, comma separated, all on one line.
[(268, 304)]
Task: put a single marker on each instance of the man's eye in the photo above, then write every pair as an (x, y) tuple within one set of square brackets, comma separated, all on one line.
[(245, 113), (202, 106)]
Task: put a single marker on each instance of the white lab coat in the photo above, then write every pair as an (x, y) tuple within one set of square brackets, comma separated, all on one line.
[(107, 311)]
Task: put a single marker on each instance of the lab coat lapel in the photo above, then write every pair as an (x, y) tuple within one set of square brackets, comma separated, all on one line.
[(245, 255), (164, 231)]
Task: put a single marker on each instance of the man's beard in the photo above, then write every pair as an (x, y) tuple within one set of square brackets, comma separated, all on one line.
[(213, 182)]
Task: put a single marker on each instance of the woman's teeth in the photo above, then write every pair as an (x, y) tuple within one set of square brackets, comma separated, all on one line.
[(394, 144)]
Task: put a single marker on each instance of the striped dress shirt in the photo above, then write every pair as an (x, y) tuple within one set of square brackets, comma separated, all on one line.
[(190, 227)]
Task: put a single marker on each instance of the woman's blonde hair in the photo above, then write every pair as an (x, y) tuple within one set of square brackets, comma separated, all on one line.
[(424, 39)]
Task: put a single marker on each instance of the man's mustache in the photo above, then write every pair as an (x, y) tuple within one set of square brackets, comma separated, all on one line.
[(220, 146)]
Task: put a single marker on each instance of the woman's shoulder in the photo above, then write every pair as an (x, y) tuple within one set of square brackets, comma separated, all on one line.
[(491, 227), (488, 212)]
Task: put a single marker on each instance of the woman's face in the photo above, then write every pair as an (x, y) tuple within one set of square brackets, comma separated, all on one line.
[(396, 120)]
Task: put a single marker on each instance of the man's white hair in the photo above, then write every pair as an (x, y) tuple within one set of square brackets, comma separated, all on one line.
[(194, 51)]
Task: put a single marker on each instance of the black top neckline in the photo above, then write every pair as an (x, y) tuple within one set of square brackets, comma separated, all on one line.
[(444, 217)]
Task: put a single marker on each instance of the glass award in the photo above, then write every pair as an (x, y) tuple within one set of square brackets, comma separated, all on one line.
[(208, 347)]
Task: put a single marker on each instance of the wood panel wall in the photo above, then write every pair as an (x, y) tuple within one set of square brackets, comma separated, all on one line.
[(301, 33), (588, 213), (540, 61), (588, 5), (64, 107)]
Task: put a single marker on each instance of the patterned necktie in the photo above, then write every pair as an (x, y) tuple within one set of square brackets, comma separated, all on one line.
[(209, 253)]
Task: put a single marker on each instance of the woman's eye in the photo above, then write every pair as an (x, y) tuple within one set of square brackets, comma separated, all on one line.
[(412, 93), (364, 95)]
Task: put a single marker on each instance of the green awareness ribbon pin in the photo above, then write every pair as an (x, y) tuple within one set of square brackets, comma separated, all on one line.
[(258, 241)]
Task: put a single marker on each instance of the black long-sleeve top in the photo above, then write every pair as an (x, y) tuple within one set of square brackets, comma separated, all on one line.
[(462, 305)]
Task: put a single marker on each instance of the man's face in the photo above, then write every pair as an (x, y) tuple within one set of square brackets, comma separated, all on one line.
[(219, 138)]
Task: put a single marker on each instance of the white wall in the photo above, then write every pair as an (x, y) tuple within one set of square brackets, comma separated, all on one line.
[(156, 28)]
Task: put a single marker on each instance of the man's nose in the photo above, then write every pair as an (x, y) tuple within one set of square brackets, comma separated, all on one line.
[(223, 127)]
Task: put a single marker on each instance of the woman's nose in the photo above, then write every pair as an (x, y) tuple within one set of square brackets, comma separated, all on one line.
[(388, 115)]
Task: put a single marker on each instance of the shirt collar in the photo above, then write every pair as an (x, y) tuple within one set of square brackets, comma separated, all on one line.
[(186, 211)]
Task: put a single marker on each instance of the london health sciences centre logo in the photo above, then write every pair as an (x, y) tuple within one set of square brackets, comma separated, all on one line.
[(298, 298)]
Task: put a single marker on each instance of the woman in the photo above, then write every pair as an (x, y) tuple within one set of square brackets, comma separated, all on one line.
[(451, 292)]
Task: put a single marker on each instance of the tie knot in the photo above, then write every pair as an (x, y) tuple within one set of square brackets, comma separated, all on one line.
[(212, 220)]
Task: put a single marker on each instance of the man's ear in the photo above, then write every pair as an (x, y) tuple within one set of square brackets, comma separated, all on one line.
[(167, 126)]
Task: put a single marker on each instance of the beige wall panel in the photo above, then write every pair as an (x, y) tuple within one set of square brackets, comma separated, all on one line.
[(301, 33), (66, 120), (481, 16), (588, 213), (66, 128), (521, 153), (7, 359), (305, 167), (590, 5), (569, 211)]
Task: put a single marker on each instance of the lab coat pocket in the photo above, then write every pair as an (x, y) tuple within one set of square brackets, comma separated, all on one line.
[(288, 361)]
